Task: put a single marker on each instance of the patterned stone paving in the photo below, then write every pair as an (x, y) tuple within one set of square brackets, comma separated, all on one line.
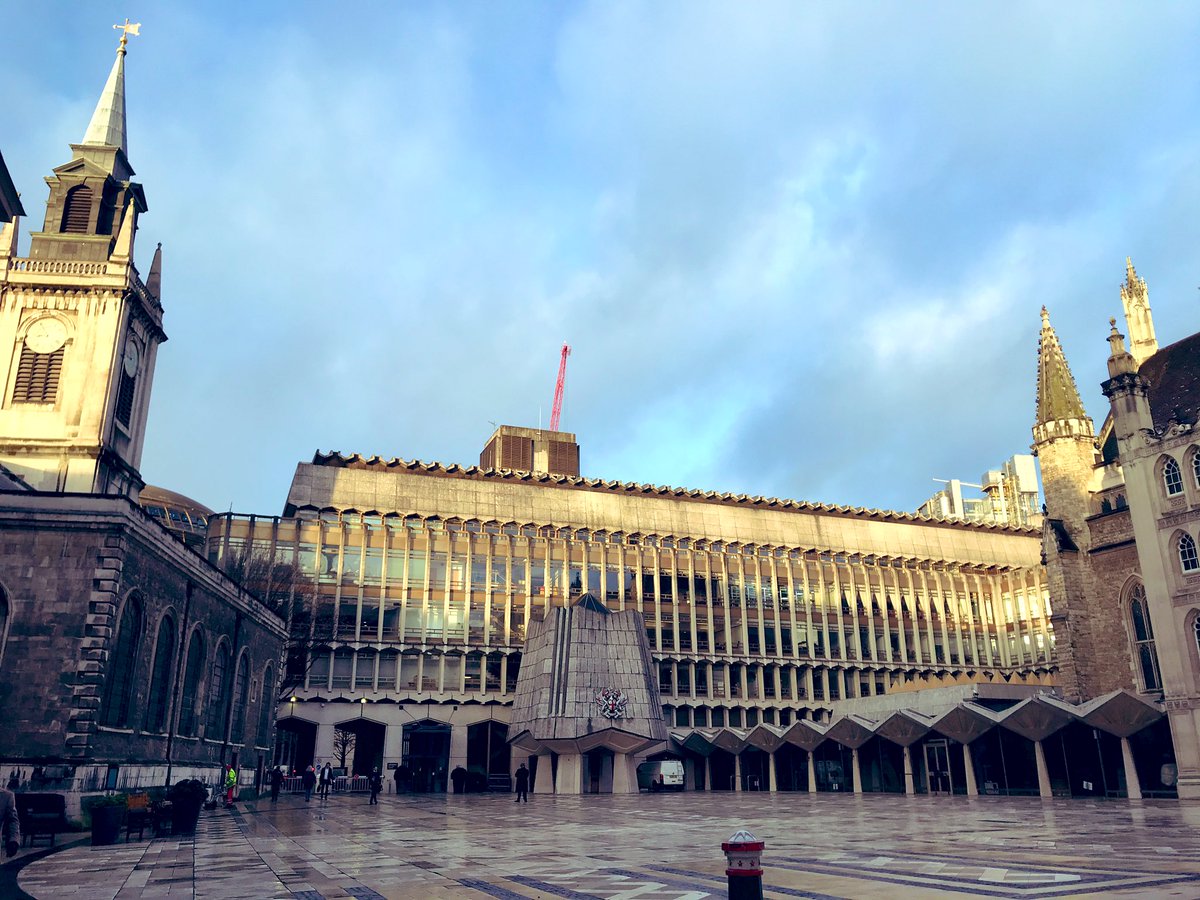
[(648, 847)]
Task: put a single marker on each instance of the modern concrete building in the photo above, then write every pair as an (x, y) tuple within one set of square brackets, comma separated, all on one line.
[(411, 587)]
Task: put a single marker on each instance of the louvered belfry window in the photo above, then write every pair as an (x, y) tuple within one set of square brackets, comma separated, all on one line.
[(77, 213), (37, 376), (125, 399)]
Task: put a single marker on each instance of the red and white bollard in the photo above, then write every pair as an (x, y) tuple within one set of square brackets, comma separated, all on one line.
[(743, 855)]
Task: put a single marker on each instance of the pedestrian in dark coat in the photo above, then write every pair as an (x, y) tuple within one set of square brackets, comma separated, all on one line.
[(458, 778), (309, 781), (522, 784), (376, 786), (276, 778)]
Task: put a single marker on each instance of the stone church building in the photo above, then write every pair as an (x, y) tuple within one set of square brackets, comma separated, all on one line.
[(1123, 518), (126, 659)]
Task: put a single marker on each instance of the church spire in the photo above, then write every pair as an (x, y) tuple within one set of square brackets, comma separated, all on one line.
[(1057, 396), (1136, 300), (107, 127)]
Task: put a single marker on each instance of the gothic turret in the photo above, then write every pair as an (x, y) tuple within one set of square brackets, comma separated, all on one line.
[(1060, 411), (1064, 440), (1136, 300)]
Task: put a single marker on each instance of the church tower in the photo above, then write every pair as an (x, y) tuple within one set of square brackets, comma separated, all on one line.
[(1064, 440), (79, 329)]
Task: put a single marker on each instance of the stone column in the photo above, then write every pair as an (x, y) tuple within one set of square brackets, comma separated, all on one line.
[(1133, 785), (737, 771), (624, 779), (856, 771), (708, 773), (910, 787), (771, 783), (689, 773), (570, 774), (812, 772), (1042, 772), (969, 766), (544, 780), (458, 746)]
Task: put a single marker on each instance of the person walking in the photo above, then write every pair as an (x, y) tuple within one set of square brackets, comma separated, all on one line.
[(326, 781), (276, 779), (376, 786), (458, 778), (309, 780), (522, 784)]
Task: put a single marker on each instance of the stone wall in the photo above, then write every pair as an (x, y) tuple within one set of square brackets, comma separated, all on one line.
[(67, 563)]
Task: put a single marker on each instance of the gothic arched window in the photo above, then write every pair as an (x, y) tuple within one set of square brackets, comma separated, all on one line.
[(77, 211), (266, 710), (1196, 630), (1187, 553), (217, 700), (1172, 478), (1144, 651), (160, 677), (193, 670), (241, 692), (1196, 467), (122, 666)]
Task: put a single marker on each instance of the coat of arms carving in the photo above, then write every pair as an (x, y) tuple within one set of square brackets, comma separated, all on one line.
[(612, 703)]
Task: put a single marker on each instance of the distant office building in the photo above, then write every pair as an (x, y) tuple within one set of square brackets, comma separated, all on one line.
[(1007, 496)]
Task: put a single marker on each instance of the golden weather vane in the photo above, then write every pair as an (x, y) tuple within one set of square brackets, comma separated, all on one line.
[(126, 30)]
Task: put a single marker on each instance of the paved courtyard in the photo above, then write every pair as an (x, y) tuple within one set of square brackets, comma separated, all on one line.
[(648, 847)]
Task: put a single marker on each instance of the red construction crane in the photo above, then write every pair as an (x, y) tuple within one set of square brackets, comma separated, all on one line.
[(559, 385)]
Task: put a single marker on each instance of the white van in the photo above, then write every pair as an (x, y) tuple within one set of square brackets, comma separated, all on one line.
[(660, 775)]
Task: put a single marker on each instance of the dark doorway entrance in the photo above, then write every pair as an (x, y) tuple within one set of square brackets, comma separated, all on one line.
[(426, 753), (488, 757), (295, 744)]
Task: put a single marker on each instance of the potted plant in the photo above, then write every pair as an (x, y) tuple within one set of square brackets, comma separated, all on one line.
[(108, 812), (186, 798)]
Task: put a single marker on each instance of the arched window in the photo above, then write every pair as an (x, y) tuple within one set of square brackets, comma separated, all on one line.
[(193, 670), (1144, 651), (122, 666), (160, 677), (1187, 553), (77, 211), (1172, 478), (1196, 631), (266, 710), (241, 697), (1196, 467), (217, 700)]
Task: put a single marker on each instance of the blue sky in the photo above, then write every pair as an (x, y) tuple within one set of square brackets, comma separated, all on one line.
[(799, 249)]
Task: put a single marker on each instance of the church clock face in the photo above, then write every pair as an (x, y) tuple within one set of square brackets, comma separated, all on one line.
[(46, 335), (131, 359)]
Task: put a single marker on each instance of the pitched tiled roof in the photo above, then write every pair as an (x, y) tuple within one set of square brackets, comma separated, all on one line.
[(1174, 376)]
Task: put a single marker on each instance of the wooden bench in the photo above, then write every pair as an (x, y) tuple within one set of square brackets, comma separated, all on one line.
[(41, 815)]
